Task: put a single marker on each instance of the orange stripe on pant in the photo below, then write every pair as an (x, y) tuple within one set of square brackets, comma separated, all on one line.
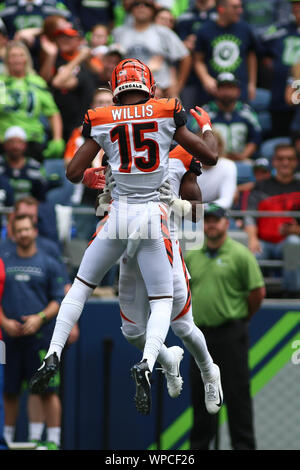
[(100, 227), (166, 237), (189, 295), (125, 318)]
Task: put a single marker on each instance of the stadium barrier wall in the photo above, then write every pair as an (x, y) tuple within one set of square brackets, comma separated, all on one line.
[(97, 390)]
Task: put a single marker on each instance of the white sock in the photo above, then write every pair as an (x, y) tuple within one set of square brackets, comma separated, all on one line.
[(9, 433), (68, 315), (35, 431), (157, 329), (165, 358), (196, 344), (53, 434)]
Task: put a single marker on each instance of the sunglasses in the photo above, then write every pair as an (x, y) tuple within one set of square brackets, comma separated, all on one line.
[(147, 4)]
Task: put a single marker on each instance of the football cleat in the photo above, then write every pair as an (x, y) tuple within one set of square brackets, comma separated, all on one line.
[(213, 392), (172, 374), (142, 376), (41, 379)]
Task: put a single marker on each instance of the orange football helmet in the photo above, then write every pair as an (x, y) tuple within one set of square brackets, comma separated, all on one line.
[(132, 74)]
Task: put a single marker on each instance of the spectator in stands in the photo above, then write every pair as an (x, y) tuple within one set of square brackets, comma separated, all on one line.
[(165, 17), (99, 37), (190, 22), (42, 214), (46, 47), (261, 171), (122, 13), (111, 58), (26, 99), (267, 236), (3, 444), (72, 82), (281, 43), (26, 206), (223, 45), (99, 41), (3, 44), (176, 6), (261, 15), (6, 202), (26, 175), (235, 120), (122, 10), (32, 294), (88, 14), (155, 45), (24, 20), (187, 26), (292, 98)]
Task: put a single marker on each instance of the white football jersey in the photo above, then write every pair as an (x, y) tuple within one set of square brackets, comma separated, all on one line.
[(217, 183), (136, 140), (179, 163)]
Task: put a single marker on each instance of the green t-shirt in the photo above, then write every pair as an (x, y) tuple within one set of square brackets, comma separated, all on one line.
[(221, 283), (23, 101)]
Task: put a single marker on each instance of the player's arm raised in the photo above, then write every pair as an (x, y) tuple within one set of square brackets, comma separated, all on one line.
[(206, 147), (82, 160)]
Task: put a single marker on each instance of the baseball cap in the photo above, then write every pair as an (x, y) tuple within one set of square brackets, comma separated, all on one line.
[(148, 3), (15, 131), (3, 29), (115, 49), (70, 32), (214, 209), (227, 77), (261, 163)]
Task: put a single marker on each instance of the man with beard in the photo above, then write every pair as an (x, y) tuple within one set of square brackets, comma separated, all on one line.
[(227, 289), (25, 175), (235, 120), (32, 294)]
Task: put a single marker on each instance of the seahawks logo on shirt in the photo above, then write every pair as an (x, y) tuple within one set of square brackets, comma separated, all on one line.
[(226, 53), (291, 50), (220, 262)]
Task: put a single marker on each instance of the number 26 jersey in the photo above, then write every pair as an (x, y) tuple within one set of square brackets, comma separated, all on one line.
[(136, 139)]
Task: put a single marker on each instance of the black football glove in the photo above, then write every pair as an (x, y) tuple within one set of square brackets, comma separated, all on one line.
[(196, 166)]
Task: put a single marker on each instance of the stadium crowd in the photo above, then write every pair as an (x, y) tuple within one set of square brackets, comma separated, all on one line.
[(238, 59)]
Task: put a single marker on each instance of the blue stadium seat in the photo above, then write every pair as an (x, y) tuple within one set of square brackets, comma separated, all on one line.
[(262, 100), (55, 168), (268, 146), (244, 172), (265, 121)]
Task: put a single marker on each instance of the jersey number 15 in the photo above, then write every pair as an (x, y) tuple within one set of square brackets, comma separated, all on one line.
[(121, 134)]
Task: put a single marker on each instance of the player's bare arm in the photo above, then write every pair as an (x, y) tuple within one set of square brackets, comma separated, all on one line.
[(190, 191), (82, 160), (206, 147)]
